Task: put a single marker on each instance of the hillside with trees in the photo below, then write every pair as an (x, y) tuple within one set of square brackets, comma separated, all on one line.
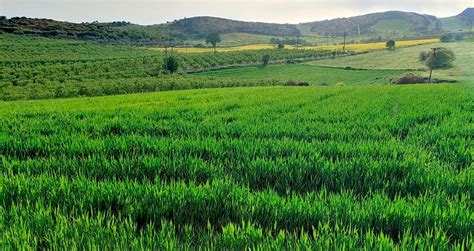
[(201, 26), (461, 22), (115, 32), (402, 23), (391, 24)]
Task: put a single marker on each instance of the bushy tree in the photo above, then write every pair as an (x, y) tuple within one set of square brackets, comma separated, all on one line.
[(459, 37), (447, 37), (390, 44), (171, 64), (280, 46), (437, 58), (213, 39), (265, 59)]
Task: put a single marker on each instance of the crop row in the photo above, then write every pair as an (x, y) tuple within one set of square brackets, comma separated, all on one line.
[(56, 89), (26, 73), (220, 203), (39, 68), (269, 167)]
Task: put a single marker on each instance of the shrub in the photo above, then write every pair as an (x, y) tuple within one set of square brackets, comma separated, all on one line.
[(423, 56), (447, 37), (459, 37), (296, 83), (265, 59), (409, 79), (171, 64), (390, 44)]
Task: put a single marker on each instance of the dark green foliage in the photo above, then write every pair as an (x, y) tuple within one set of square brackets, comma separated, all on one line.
[(390, 44), (213, 39), (447, 37), (409, 79), (280, 46), (450, 37), (296, 83), (265, 59), (170, 64)]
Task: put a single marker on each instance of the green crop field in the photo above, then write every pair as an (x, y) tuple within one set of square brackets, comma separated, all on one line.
[(310, 73), (375, 167), (38, 68), (313, 149)]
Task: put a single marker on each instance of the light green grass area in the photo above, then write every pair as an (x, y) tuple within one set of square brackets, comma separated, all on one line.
[(454, 24), (469, 39), (407, 58), (393, 27), (309, 73), (276, 168)]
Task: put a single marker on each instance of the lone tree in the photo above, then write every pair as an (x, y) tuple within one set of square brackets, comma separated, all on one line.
[(437, 58), (390, 44), (280, 46), (344, 46), (213, 39), (265, 60), (170, 64)]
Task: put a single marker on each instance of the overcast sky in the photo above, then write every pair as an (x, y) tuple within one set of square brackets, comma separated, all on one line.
[(278, 11)]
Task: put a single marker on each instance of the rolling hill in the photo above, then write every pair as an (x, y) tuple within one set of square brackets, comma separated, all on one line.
[(468, 15), (395, 22), (461, 22), (114, 32), (201, 26), (391, 24)]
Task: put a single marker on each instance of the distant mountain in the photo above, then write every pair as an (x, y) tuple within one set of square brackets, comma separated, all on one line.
[(393, 22), (114, 32), (201, 26), (468, 15), (127, 33), (461, 22)]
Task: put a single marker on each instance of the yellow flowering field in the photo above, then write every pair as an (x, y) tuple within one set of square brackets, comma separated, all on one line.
[(354, 47)]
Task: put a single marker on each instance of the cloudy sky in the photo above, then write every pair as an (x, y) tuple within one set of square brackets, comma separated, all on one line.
[(279, 11)]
